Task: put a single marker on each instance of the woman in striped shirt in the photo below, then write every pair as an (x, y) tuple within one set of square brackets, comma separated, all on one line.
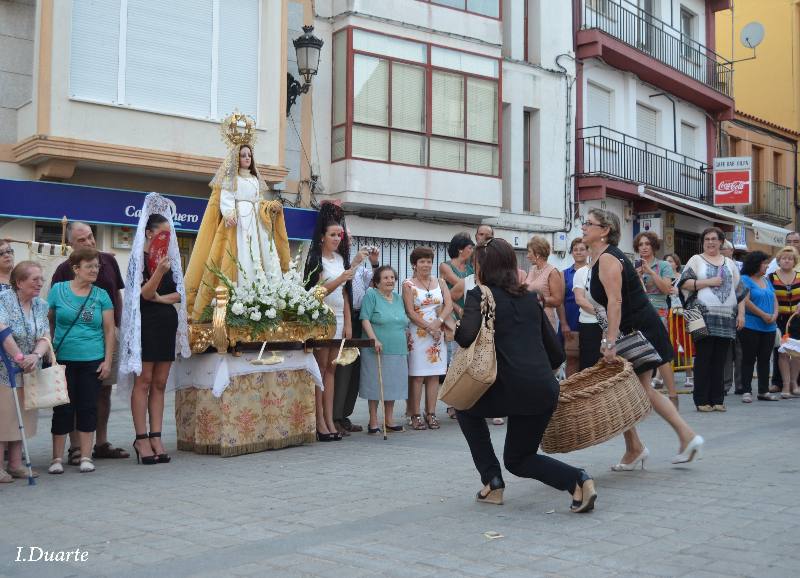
[(786, 282)]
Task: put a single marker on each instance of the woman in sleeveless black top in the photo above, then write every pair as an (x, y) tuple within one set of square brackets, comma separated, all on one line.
[(615, 286)]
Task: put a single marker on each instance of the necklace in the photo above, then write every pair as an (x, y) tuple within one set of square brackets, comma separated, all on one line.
[(332, 259), (536, 270), (428, 295), (389, 299)]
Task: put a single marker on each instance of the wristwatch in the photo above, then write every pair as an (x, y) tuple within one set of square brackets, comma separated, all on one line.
[(609, 345), (37, 353), (375, 265), (440, 320)]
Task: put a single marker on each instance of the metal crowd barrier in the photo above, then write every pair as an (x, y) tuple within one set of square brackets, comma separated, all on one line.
[(679, 336)]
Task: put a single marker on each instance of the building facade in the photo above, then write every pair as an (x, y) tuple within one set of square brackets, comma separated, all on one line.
[(653, 95)]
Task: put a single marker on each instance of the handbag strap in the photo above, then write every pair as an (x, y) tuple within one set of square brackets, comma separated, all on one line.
[(74, 321), (487, 306), (628, 288)]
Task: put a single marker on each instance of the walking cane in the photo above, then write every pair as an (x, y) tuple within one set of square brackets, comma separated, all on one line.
[(383, 406), (12, 379)]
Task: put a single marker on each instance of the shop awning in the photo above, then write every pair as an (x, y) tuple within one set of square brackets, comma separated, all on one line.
[(51, 201), (764, 232)]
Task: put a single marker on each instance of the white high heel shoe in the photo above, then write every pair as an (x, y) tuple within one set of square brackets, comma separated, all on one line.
[(692, 451), (642, 457)]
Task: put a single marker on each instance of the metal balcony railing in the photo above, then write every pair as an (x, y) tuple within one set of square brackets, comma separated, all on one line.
[(650, 35), (771, 201), (608, 152)]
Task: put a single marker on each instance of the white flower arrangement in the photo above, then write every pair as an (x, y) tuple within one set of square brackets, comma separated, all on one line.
[(262, 303)]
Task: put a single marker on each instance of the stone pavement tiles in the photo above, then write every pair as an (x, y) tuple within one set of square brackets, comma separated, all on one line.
[(406, 507)]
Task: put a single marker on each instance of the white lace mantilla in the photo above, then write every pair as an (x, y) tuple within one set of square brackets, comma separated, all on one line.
[(130, 347)]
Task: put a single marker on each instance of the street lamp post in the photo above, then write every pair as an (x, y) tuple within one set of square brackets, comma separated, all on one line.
[(307, 48)]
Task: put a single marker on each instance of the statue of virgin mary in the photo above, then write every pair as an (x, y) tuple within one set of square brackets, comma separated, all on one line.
[(238, 221)]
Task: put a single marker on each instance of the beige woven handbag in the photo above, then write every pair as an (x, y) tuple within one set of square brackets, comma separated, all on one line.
[(474, 368), (46, 387)]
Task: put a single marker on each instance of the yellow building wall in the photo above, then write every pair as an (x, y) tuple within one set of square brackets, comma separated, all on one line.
[(769, 86)]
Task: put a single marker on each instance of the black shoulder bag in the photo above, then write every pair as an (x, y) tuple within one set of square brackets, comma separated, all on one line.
[(74, 321)]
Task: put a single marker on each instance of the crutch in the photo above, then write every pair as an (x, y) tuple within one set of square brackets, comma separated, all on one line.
[(383, 406), (12, 379)]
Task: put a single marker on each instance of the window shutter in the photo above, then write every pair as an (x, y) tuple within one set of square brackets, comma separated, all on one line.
[(599, 109), (340, 78), (168, 63), (371, 90), (482, 159), (646, 124), (94, 54), (237, 78), (408, 97), (481, 110), (447, 106), (370, 143), (447, 154), (688, 141), (409, 149)]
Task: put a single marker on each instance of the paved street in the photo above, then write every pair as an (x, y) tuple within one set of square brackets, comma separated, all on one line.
[(406, 507)]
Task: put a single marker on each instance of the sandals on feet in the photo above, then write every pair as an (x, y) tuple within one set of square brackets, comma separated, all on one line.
[(21, 472), (498, 421), (419, 425), (74, 456), (451, 411), (747, 398), (56, 466), (104, 451), (5, 477), (705, 408), (768, 397), (796, 392), (86, 466), (433, 422)]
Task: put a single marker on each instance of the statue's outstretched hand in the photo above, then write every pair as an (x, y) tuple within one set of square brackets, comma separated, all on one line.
[(276, 208), (231, 221)]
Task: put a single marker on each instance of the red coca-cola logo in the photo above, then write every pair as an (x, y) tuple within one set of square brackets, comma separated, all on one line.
[(731, 186)]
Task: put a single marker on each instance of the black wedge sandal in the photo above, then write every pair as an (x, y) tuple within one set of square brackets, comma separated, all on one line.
[(586, 504), (495, 495)]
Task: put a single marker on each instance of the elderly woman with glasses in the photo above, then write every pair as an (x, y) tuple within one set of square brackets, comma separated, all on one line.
[(711, 282), (82, 320), (6, 265)]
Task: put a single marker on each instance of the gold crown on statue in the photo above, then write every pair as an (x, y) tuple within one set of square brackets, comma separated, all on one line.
[(231, 133)]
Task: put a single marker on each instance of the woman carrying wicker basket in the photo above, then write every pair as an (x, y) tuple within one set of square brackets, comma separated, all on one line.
[(615, 285), (525, 388)]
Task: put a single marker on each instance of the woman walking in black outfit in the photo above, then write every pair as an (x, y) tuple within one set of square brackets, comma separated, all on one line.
[(525, 389), (159, 327), (614, 284)]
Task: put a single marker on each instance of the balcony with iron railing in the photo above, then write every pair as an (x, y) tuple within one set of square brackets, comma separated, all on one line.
[(772, 203), (603, 152), (620, 33)]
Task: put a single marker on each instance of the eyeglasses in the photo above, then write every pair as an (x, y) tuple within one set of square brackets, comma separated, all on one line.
[(8, 251), (90, 267), (590, 224), (711, 240)]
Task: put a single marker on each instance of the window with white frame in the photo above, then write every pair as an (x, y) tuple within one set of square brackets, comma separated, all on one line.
[(414, 104), (598, 110), (688, 140), (134, 53), (687, 32)]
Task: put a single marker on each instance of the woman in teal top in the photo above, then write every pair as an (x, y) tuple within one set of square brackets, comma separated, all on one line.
[(383, 317), (82, 317)]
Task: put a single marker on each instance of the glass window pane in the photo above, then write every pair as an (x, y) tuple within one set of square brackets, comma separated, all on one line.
[(340, 78), (370, 143), (447, 154), (409, 149), (390, 46), (526, 187), (371, 90), (482, 110), (482, 159), (408, 97), (485, 7), (447, 107), (338, 150), (450, 3), (464, 62)]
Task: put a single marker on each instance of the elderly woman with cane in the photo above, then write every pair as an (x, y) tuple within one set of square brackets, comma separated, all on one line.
[(25, 313), (384, 319)]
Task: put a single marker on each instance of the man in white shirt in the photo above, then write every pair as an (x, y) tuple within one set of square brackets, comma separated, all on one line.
[(792, 240)]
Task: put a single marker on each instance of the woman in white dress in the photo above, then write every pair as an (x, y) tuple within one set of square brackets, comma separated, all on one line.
[(427, 302), (328, 264)]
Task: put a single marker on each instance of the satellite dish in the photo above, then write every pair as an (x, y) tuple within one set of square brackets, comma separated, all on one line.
[(752, 34)]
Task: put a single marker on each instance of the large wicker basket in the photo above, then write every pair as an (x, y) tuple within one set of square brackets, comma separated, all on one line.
[(595, 405), (788, 345)]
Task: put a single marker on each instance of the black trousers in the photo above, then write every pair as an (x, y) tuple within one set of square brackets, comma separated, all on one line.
[(83, 389), (523, 436), (756, 345), (709, 368), (590, 335), (347, 380)]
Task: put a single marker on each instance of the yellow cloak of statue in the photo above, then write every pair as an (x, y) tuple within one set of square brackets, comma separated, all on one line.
[(216, 243)]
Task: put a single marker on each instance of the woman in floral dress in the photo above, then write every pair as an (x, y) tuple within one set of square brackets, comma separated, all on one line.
[(427, 354)]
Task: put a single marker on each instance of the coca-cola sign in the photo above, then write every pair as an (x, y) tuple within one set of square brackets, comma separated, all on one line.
[(732, 181)]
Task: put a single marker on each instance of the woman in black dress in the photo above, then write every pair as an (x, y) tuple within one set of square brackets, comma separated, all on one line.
[(614, 284), (525, 389), (159, 328)]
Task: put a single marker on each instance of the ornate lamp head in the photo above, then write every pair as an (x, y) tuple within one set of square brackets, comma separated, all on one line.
[(231, 133)]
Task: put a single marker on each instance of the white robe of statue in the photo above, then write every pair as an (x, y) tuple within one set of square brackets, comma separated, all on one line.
[(252, 237)]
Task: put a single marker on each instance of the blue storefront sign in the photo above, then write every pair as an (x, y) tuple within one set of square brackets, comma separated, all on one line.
[(52, 201)]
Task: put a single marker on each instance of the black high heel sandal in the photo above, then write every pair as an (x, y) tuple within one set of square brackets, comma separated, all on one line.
[(325, 437), (495, 495), (162, 458), (146, 460), (586, 483)]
